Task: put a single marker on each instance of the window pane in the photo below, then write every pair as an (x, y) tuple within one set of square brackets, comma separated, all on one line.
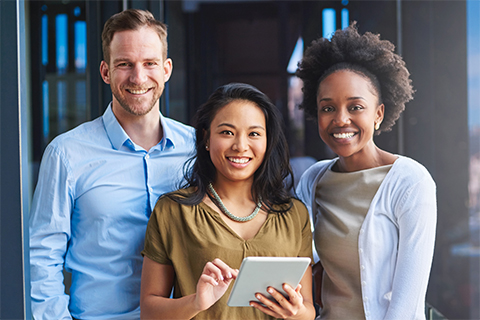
[(61, 25), (471, 249), (80, 46), (329, 22), (44, 39)]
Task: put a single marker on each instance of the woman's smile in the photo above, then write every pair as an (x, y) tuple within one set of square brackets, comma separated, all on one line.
[(238, 160), (344, 135)]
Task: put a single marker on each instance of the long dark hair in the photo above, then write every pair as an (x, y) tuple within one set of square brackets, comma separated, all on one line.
[(269, 179)]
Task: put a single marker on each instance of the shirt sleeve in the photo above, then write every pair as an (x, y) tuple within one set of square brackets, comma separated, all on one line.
[(417, 217), (49, 235)]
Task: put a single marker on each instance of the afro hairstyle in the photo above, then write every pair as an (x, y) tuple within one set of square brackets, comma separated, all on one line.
[(365, 54)]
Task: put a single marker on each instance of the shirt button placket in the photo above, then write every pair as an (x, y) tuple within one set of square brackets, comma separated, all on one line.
[(147, 179), (364, 283), (365, 303)]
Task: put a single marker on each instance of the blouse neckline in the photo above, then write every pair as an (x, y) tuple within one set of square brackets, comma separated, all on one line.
[(216, 215)]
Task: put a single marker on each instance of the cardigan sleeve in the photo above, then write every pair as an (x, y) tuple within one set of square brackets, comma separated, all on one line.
[(304, 191), (416, 214)]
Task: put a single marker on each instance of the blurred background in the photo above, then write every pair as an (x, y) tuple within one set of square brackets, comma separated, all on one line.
[(49, 83)]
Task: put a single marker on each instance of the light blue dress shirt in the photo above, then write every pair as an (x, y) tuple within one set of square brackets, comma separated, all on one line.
[(95, 192)]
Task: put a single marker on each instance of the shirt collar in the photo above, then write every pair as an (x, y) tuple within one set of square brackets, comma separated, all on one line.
[(168, 135), (118, 137)]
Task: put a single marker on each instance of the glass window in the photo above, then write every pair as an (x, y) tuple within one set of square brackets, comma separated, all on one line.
[(329, 22), (295, 115), (61, 81), (471, 248)]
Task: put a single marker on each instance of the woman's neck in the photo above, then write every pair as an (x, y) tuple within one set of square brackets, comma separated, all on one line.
[(232, 191), (373, 158)]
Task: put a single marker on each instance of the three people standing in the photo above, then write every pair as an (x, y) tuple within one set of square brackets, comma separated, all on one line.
[(374, 212)]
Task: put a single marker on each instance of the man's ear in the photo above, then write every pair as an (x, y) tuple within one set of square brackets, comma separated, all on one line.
[(105, 72), (167, 67)]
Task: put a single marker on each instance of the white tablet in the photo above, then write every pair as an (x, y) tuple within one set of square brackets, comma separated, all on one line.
[(258, 273)]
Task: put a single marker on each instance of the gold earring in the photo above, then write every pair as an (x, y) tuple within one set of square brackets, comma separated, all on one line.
[(377, 125)]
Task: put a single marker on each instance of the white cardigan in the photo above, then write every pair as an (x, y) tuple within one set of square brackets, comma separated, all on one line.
[(396, 240)]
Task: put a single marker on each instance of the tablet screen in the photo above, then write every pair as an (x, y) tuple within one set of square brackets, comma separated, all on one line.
[(258, 273)]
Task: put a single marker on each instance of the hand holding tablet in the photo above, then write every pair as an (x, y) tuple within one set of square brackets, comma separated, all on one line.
[(258, 273), (213, 283)]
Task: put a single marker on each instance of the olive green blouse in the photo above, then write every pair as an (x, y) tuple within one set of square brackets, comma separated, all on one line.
[(187, 237)]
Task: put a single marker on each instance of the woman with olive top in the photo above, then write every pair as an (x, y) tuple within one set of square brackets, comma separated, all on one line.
[(235, 205)]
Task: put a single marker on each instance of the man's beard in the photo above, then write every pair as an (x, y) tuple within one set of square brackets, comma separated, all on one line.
[(127, 107)]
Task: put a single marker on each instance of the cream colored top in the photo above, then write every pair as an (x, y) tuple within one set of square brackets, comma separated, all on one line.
[(343, 200)]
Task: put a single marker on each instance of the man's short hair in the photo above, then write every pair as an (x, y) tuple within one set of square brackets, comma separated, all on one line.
[(132, 19)]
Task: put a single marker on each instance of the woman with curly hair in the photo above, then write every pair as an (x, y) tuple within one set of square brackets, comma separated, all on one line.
[(234, 205), (374, 212)]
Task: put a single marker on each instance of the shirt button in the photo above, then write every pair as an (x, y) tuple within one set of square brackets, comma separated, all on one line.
[(362, 267), (360, 250), (147, 156), (150, 189), (364, 283), (361, 231)]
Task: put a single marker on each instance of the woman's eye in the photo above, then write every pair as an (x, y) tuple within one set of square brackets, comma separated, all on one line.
[(255, 134), (356, 108), (227, 132), (326, 109)]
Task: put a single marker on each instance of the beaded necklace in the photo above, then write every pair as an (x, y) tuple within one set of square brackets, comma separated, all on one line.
[(228, 213)]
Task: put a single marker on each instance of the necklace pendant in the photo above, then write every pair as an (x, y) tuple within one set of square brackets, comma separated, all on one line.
[(228, 213)]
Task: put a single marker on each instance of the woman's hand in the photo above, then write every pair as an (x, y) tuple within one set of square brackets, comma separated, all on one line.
[(284, 308), (213, 283)]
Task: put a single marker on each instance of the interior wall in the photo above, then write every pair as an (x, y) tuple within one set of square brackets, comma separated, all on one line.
[(247, 42)]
